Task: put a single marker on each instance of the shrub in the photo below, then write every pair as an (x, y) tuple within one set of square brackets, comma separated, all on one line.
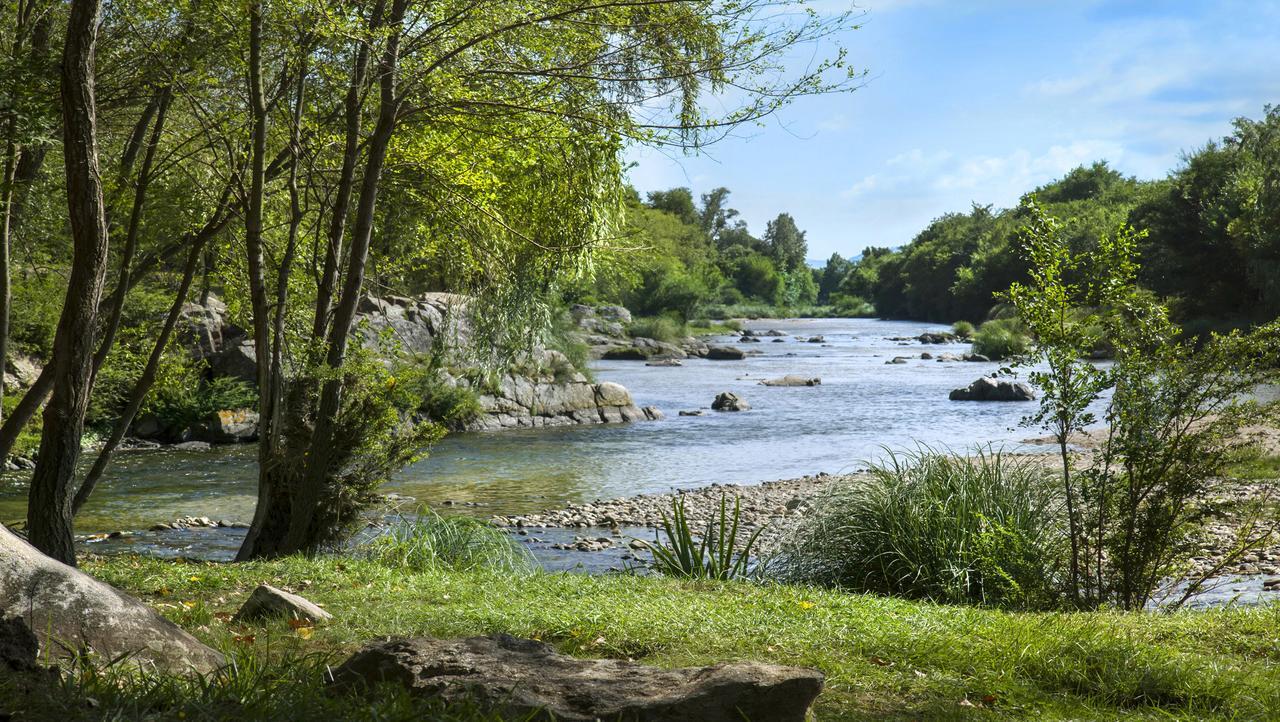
[(1174, 420), (658, 328), (963, 329), (459, 543), (1001, 339), (453, 407), (178, 406), (715, 554), (851, 306), (981, 529)]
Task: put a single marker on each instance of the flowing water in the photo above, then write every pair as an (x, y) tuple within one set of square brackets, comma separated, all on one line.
[(862, 406)]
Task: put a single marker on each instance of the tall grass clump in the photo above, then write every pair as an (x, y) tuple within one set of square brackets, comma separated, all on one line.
[(658, 328), (984, 529), (716, 553), (458, 543), (963, 329), (1001, 338)]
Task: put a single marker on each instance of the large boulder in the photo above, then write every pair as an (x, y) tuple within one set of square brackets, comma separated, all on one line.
[(69, 610), (989, 388), (725, 353), (526, 679)]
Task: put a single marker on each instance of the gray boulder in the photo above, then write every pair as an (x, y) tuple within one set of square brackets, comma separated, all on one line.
[(988, 388), (237, 361), (729, 401), (792, 380), (817, 339), (267, 602), (528, 679), (725, 353), (68, 611)]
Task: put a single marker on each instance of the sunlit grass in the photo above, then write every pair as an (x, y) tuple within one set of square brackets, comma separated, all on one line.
[(883, 657)]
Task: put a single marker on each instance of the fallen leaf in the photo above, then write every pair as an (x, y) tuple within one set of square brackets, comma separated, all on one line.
[(300, 623), (244, 638), (989, 699), (880, 661), (304, 632)]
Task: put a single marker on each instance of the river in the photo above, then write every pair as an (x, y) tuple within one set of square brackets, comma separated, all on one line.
[(862, 407)]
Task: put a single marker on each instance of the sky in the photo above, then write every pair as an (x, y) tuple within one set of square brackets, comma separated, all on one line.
[(983, 100)]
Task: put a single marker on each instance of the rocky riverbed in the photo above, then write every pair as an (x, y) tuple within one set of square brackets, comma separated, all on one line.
[(777, 507)]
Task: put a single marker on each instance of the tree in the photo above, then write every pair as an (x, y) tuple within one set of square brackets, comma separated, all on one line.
[(832, 274), (678, 202), (785, 243), (49, 507)]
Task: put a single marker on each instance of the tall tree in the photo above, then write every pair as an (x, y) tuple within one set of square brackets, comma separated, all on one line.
[(49, 509), (786, 243)]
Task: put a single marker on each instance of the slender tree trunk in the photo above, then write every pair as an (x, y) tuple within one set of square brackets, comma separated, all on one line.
[(306, 499), (257, 276), (144, 383), (49, 518), (116, 302), (352, 106)]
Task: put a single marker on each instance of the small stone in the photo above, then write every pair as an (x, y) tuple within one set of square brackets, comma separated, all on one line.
[(267, 601)]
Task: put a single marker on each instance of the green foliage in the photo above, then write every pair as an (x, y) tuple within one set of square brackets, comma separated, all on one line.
[(1174, 417), (658, 328), (457, 543), (1001, 338), (799, 289), (852, 306), (716, 553), (180, 406), (28, 440), (963, 329), (982, 529), (785, 243), (450, 405), (37, 303)]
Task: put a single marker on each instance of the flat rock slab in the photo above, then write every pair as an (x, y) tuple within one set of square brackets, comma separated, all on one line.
[(267, 602), (524, 678), (792, 380), (69, 610)]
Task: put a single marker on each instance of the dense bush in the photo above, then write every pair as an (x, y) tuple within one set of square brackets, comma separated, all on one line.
[(178, 407), (982, 529), (1001, 338), (963, 329)]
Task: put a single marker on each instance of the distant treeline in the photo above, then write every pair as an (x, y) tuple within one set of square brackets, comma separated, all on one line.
[(1212, 245), (1211, 251)]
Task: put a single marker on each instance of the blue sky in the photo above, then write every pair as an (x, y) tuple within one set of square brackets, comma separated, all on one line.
[(981, 100)]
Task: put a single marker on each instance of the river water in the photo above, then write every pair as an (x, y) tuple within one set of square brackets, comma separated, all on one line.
[(862, 406)]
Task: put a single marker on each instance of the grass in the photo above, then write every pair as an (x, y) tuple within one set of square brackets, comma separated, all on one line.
[(883, 657), (984, 528), (658, 328), (431, 541), (1255, 467), (1001, 339)]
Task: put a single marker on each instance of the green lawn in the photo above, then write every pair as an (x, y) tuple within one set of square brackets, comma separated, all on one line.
[(882, 657)]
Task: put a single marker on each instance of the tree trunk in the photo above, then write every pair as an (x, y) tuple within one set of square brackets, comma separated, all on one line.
[(352, 105), (49, 516), (307, 498), (143, 384), (257, 277)]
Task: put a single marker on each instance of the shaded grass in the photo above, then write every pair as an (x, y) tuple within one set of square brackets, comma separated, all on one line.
[(883, 657)]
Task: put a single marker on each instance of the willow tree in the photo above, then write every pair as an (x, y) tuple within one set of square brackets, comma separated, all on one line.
[(503, 126)]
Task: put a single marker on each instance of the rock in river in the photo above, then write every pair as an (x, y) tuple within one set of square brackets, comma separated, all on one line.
[(526, 679), (792, 380), (993, 389), (729, 401), (725, 353)]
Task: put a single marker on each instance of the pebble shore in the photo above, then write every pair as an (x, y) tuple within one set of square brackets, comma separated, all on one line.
[(778, 506)]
